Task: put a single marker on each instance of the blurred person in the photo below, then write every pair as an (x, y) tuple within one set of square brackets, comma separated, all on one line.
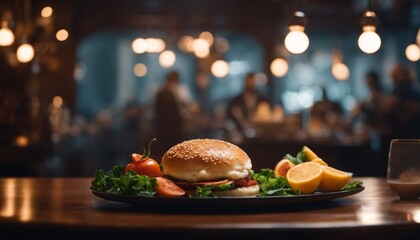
[(326, 116), (242, 108), (401, 110), (368, 110), (170, 103), (400, 113)]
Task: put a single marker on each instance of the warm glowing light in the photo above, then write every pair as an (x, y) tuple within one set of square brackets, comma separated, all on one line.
[(412, 52), (418, 37), (9, 192), (22, 141), (207, 36), (201, 48), (46, 12), (140, 70), (369, 41), (167, 59), (139, 45), (58, 101), (296, 40), (185, 43), (340, 71), (220, 68), (62, 35), (25, 209), (279, 67), (25, 53), (6, 35), (155, 45), (416, 216)]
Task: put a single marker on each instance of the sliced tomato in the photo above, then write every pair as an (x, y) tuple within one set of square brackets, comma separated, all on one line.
[(244, 183), (167, 188)]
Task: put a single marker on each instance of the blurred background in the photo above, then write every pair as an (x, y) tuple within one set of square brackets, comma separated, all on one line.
[(83, 84)]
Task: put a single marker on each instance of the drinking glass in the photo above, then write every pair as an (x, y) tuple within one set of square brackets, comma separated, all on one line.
[(403, 173)]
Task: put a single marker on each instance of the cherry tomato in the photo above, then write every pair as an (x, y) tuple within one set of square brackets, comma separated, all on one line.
[(167, 188), (143, 164), (147, 167)]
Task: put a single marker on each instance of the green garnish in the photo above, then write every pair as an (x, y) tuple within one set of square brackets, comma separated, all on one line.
[(353, 185), (300, 157), (115, 181), (208, 191), (270, 185)]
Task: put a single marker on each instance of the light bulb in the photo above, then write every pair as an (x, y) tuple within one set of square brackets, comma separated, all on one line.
[(155, 45), (296, 40), (140, 70), (167, 59), (46, 12), (279, 67), (220, 68), (340, 71), (207, 36), (139, 45), (6, 36), (201, 48), (369, 41), (185, 43), (62, 35), (25, 53), (412, 52)]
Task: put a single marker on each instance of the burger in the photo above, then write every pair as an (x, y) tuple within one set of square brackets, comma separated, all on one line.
[(219, 166)]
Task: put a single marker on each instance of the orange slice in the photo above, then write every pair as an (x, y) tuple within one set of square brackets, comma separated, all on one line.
[(282, 167), (305, 177), (309, 154), (320, 161), (333, 179)]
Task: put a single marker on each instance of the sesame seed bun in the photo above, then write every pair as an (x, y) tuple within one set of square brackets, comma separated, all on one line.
[(206, 160)]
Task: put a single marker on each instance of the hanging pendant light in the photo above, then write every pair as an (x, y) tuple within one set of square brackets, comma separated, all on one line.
[(369, 41), (6, 35), (25, 52), (296, 40)]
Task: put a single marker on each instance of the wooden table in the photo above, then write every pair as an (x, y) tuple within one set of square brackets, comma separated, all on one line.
[(64, 208)]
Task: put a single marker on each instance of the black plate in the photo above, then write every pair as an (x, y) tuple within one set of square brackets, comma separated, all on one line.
[(227, 201)]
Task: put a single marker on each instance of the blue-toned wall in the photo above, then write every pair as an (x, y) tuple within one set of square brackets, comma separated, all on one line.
[(108, 81), (310, 71)]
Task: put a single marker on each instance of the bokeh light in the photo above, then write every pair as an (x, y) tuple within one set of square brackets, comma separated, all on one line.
[(220, 68), (412, 52), (167, 59), (62, 35), (140, 70), (279, 67)]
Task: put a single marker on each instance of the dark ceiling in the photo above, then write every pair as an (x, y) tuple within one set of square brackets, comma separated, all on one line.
[(338, 15)]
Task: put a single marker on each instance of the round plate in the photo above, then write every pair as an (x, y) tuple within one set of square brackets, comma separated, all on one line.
[(226, 201)]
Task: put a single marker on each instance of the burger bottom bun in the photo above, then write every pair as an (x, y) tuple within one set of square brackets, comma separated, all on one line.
[(239, 192)]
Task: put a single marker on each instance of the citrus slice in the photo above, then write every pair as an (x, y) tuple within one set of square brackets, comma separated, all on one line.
[(333, 179), (309, 154), (282, 167), (305, 176), (320, 161)]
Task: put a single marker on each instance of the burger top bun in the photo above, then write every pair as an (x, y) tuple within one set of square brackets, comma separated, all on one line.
[(206, 160)]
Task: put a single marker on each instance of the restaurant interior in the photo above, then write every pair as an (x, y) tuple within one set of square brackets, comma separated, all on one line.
[(83, 83)]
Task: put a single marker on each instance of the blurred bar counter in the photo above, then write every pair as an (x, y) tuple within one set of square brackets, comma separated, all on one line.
[(266, 144)]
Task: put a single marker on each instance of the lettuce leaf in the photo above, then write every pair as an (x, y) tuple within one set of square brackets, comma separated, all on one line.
[(115, 181)]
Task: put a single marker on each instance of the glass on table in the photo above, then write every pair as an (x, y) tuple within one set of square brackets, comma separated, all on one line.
[(403, 173)]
